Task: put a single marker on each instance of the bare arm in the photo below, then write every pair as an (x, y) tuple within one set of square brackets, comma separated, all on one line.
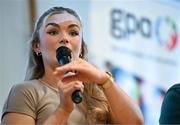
[(59, 117), (123, 109)]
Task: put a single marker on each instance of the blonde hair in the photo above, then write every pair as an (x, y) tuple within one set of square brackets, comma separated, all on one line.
[(94, 105)]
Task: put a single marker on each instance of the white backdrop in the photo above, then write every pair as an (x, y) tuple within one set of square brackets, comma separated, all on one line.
[(141, 40)]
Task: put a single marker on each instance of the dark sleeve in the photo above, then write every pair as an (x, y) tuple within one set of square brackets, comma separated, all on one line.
[(20, 100), (170, 110)]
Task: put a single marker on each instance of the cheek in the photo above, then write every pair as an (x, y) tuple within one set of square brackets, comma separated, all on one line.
[(47, 43), (43, 41), (77, 48)]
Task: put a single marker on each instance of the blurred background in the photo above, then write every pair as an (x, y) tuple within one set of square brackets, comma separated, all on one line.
[(137, 40)]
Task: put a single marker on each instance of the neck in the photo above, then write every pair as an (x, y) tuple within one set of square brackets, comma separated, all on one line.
[(49, 78)]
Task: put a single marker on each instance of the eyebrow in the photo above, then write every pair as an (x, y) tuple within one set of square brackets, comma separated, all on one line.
[(53, 24), (56, 25)]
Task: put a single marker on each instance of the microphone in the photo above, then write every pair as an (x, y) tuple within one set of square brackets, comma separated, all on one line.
[(63, 55)]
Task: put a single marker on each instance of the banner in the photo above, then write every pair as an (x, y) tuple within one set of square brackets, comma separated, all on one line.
[(139, 43)]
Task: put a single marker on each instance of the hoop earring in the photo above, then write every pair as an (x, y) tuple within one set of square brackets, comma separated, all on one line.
[(81, 55), (38, 53)]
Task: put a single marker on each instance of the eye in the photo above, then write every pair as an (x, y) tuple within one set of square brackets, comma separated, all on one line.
[(53, 32), (74, 33)]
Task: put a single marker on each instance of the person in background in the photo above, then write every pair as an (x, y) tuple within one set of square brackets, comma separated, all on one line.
[(170, 109), (45, 95)]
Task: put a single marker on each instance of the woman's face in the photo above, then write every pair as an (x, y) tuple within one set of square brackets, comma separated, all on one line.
[(60, 30)]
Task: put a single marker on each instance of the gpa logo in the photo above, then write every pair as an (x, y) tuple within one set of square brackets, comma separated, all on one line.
[(166, 32), (125, 25)]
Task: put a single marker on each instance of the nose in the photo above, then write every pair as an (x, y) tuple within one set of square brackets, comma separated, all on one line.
[(64, 41)]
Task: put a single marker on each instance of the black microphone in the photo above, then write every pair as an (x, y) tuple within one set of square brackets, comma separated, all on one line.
[(63, 55)]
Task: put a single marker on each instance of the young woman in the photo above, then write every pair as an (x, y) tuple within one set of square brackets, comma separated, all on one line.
[(45, 96)]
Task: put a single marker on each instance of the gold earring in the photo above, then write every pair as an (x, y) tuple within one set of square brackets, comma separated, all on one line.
[(38, 53), (81, 55)]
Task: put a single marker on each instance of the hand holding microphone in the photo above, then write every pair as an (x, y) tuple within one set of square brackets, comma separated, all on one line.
[(63, 55)]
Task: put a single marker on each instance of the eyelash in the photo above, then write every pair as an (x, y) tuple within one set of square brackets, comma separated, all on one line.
[(71, 33), (53, 32), (74, 33)]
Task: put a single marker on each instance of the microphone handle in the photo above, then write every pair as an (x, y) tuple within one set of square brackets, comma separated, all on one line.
[(76, 96)]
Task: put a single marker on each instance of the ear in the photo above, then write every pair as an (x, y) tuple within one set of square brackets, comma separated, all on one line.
[(36, 47)]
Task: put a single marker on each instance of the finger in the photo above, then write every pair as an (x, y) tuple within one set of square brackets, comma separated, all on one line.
[(67, 67), (69, 90), (68, 74), (70, 78), (71, 86), (79, 86), (70, 67), (82, 88), (58, 73)]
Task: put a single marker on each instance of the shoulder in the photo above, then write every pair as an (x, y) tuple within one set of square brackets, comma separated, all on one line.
[(27, 87), (22, 98), (32, 90), (24, 90), (31, 84)]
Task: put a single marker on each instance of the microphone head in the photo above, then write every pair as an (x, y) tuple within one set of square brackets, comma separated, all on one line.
[(63, 55)]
